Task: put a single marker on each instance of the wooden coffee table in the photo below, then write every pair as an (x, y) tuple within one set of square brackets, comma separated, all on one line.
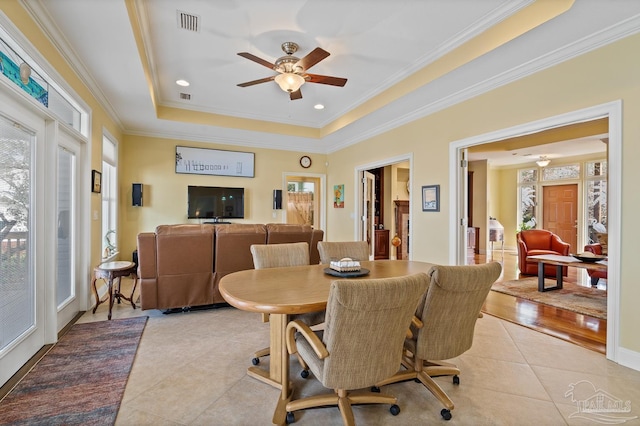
[(560, 262)]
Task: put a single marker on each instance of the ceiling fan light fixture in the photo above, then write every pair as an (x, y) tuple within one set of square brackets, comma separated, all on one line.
[(543, 161), (289, 82)]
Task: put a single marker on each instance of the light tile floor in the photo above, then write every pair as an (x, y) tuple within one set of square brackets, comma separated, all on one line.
[(190, 369)]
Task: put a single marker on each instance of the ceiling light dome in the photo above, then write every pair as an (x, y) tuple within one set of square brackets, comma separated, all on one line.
[(289, 82), (543, 161)]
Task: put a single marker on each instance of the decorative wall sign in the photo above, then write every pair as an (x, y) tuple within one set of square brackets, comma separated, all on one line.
[(202, 161), (338, 196), (96, 181), (431, 198)]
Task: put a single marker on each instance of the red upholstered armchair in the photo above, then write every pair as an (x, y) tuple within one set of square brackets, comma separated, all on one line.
[(535, 242), (595, 275)]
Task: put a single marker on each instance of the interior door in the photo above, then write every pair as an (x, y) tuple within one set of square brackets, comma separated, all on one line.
[(369, 210), (67, 283), (560, 212)]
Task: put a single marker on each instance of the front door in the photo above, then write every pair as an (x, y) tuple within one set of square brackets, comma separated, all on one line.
[(560, 212)]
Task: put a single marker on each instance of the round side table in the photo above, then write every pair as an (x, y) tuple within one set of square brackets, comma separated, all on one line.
[(110, 271)]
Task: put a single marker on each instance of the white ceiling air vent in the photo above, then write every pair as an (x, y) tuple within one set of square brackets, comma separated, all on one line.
[(185, 96), (187, 21)]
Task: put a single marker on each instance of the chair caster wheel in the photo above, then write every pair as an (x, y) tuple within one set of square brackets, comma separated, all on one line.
[(255, 361), (395, 410), (375, 389), (456, 380), (304, 374), (290, 418), (446, 414)]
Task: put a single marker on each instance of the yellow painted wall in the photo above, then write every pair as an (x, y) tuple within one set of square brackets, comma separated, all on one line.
[(604, 75), (151, 161)]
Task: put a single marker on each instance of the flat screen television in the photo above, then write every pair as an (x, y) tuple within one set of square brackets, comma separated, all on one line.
[(213, 202)]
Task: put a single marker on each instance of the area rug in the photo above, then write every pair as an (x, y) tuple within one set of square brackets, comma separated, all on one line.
[(583, 300), (81, 380)]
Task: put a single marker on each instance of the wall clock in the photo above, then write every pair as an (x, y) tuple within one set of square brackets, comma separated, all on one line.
[(305, 161)]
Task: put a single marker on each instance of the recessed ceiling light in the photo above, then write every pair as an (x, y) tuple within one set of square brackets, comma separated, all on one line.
[(318, 106), (183, 83)]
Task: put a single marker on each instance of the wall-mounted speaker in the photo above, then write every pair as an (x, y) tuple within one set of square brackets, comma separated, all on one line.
[(277, 199), (136, 194)]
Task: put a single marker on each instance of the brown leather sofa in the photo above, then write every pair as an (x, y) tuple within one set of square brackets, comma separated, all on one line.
[(534, 242), (180, 266)]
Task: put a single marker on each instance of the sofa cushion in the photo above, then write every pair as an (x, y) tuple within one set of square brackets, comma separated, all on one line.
[(184, 249)]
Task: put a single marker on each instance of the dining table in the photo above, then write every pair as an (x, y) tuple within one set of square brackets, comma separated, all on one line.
[(281, 292)]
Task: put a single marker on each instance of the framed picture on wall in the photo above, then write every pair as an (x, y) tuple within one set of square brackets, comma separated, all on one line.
[(96, 181), (338, 196), (431, 198)]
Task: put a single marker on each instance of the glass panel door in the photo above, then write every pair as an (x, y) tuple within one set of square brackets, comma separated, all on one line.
[(19, 332), (67, 301)]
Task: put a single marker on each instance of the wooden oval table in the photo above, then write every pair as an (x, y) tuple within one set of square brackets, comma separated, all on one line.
[(281, 292)]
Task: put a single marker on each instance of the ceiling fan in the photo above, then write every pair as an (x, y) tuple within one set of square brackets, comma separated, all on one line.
[(293, 71)]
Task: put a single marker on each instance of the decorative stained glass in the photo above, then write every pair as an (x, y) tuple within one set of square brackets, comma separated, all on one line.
[(596, 168), (570, 171), (528, 175)]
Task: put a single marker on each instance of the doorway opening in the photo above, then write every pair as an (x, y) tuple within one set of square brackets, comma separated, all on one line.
[(304, 202), (377, 219), (613, 113)]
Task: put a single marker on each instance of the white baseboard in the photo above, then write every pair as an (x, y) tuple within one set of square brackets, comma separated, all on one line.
[(629, 358)]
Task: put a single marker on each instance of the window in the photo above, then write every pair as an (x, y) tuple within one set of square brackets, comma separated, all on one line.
[(527, 185), (596, 196), (109, 197), (26, 74)]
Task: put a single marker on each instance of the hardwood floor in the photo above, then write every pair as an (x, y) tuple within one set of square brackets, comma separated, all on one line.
[(579, 329)]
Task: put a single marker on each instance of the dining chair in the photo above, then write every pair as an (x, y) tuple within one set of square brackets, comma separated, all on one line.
[(447, 316), (336, 250), (366, 324), (280, 256)]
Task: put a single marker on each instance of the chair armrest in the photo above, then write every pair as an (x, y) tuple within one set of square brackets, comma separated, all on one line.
[(594, 248), (311, 337), (560, 246), (416, 323)]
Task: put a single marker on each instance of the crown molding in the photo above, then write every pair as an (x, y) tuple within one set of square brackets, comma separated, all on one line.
[(595, 41), (42, 19)]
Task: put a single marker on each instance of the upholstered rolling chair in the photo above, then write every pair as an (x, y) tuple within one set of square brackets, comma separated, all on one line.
[(366, 324), (356, 250), (280, 256), (535, 242), (448, 314)]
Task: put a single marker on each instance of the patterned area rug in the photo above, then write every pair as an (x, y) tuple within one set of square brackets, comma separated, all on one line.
[(572, 297), (81, 380)]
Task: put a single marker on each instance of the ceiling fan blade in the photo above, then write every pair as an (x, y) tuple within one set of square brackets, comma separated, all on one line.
[(325, 79), (254, 58), (251, 83), (315, 56), (295, 95)]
